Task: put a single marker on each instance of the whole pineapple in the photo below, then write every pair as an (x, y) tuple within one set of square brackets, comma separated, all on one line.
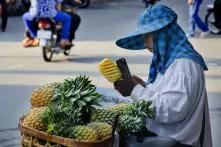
[(42, 96), (72, 104), (102, 115), (84, 134), (104, 129), (119, 108), (109, 70), (132, 120), (34, 119)]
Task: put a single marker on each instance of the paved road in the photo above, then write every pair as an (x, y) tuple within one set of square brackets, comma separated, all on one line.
[(22, 70)]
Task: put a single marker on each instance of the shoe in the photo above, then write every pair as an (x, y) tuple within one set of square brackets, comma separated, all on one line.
[(204, 34), (65, 44), (214, 29), (27, 42)]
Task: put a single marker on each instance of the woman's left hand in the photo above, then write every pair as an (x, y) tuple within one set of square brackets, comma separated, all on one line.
[(125, 87)]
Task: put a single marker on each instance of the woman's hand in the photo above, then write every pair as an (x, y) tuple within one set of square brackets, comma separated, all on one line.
[(139, 80), (125, 87)]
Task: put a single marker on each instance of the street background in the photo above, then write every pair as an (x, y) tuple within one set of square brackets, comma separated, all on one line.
[(23, 69)]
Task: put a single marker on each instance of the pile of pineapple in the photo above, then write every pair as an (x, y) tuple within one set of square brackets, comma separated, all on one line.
[(70, 109)]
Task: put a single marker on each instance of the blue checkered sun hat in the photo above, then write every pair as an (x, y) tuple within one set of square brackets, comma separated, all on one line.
[(152, 19)]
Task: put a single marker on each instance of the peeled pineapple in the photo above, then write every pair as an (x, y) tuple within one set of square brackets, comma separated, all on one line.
[(104, 130), (34, 119), (109, 70), (42, 96), (85, 134), (119, 107)]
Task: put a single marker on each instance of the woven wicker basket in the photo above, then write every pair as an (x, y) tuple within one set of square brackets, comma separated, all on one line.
[(34, 138)]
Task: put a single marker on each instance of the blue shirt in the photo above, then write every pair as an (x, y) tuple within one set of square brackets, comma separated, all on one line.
[(44, 8)]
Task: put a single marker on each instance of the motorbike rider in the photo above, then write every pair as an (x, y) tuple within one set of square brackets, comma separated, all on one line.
[(67, 6), (217, 13), (47, 9), (75, 22)]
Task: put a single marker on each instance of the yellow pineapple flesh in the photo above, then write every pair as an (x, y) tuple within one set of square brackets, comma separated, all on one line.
[(109, 70)]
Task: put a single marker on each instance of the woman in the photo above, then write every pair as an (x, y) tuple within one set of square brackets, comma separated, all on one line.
[(176, 84)]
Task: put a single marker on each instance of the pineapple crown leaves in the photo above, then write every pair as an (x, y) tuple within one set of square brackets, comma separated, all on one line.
[(58, 119), (130, 124), (132, 120), (72, 103), (141, 108), (78, 91)]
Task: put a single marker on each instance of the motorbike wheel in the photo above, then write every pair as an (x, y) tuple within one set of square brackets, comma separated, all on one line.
[(209, 17), (84, 4), (47, 54), (67, 52)]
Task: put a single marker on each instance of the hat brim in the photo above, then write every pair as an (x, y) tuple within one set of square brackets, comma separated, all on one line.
[(135, 40)]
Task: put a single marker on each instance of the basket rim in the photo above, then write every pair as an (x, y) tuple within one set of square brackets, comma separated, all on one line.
[(56, 139)]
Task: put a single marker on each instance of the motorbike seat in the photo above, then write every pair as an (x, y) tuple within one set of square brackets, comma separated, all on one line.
[(58, 25)]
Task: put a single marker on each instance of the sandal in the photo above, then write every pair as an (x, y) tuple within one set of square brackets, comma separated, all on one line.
[(27, 42)]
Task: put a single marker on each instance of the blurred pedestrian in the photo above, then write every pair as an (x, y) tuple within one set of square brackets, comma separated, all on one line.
[(4, 14), (69, 6), (194, 19)]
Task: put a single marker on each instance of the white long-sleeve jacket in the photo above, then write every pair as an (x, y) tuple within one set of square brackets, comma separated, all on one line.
[(179, 98)]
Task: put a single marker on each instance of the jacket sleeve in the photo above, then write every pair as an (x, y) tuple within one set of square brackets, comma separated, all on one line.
[(174, 101)]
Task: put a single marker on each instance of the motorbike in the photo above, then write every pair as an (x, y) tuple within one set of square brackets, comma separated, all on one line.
[(49, 38), (49, 35)]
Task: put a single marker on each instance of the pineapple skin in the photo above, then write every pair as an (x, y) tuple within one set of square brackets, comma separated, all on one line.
[(42, 96), (119, 108), (34, 119), (102, 115), (85, 134), (104, 129)]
